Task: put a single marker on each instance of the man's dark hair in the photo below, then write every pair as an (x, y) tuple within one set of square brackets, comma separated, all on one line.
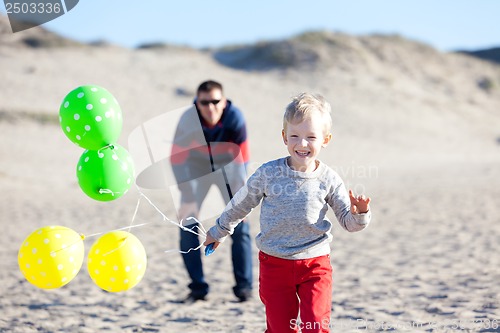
[(208, 86)]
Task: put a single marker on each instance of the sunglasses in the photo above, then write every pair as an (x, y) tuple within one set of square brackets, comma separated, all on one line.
[(213, 101)]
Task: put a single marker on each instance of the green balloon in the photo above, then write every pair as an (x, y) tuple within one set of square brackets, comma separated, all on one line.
[(91, 117), (105, 174)]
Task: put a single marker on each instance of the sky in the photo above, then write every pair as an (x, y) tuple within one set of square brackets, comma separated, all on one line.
[(445, 24)]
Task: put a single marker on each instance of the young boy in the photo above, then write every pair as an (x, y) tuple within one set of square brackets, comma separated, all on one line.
[(295, 269)]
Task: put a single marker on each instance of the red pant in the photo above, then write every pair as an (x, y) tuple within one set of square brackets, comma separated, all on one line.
[(289, 285)]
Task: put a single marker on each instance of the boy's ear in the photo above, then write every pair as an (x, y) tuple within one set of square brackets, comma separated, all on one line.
[(283, 135), (326, 140)]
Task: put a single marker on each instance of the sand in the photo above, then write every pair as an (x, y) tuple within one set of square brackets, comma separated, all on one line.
[(429, 156)]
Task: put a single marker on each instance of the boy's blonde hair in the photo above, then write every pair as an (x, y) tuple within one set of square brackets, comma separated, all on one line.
[(303, 106)]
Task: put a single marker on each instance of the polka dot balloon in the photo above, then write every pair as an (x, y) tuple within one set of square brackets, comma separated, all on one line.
[(51, 257), (105, 174), (117, 261), (91, 117)]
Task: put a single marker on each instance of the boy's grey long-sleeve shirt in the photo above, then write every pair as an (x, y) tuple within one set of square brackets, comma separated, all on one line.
[(293, 222)]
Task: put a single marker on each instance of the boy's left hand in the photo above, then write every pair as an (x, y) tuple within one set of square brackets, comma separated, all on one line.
[(359, 204)]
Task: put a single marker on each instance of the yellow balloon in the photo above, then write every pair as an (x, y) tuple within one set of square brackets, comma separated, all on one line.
[(50, 257), (117, 261)]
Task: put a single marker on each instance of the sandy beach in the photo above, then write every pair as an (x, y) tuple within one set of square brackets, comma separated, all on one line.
[(412, 129)]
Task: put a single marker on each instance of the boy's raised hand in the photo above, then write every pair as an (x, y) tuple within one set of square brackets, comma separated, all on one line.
[(359, 204)]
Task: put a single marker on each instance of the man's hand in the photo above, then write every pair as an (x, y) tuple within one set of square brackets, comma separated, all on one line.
[(359, 204), (210, 240)]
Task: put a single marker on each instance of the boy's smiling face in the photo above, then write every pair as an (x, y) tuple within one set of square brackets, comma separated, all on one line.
[(304, 141)]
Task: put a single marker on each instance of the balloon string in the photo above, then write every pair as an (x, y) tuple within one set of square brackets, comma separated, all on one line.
[(198, 226), (135, 213), (120, 229), (185, 252), (107, 191), (126, 238), (178, 224), (198, 229), (105, 147), (117, 248), (64, 247)]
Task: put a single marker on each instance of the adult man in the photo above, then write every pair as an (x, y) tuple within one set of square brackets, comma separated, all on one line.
[(224, 152)]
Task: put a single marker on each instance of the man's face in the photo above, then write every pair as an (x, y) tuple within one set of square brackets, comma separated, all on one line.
[(211, 105)]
